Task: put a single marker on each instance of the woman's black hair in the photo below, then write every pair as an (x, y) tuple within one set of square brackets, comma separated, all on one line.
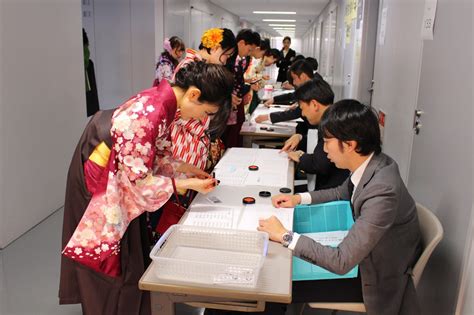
[(85, 39), (349, 120), (264, 45), (228, 41), (175, 43), (215, 83), (315, 89), (313, 62), (275, 53), (287, 38)]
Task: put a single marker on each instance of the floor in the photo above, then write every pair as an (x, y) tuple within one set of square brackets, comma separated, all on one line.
[(29, 275)]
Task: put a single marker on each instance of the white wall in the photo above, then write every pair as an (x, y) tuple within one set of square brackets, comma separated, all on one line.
[(122, 39), (42, 107), (189, 24), (349, 65)]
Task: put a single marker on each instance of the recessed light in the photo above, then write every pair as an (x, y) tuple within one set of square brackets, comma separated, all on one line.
[(281, 25), (277, 20), (284, 28), (274, 12)]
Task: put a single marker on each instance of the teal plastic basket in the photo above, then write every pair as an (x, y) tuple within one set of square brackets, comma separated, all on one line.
[(324, 217)]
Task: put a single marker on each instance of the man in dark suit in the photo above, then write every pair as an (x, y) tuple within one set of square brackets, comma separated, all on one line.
[(385, 239), (287, 56), (314, 98)]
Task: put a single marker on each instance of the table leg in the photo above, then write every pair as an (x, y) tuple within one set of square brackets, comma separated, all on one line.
[(162, 304)]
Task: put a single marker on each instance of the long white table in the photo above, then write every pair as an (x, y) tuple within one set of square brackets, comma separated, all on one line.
[(274, 284), (252, 131)]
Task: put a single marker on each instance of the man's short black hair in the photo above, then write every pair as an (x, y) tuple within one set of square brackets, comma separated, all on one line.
[(313, 62), (299, 67), (315, 89), (349, 120), (248, 36)]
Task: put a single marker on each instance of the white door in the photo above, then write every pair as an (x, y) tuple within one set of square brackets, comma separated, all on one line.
[(360, 24), (396, 74), (441, 167)]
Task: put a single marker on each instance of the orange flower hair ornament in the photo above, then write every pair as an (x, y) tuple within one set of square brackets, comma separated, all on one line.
[(212, 37)]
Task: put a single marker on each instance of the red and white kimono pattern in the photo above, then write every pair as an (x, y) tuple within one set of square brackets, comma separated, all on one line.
[(190, 142), (136, 178)]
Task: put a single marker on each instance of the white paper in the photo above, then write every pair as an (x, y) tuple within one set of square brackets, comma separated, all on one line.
[(252, 213), (383, 26), (333, 238), (213, 216), (429, 17)]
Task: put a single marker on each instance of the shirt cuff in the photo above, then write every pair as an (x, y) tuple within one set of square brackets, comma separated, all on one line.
[(292, 245), (305, 198)]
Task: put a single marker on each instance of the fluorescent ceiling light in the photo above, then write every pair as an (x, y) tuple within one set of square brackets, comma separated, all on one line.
[(281, 25), (284, 28), (277, 20), (274, 12)]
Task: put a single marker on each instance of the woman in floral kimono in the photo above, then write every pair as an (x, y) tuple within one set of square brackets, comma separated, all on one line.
[(169, 59), (122, 168)]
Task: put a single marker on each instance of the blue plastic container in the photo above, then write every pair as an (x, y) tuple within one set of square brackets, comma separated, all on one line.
[(324, 217)]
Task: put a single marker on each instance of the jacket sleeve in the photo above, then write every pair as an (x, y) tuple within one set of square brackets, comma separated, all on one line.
[(285, 115), (288, 98), (317, 162), (377, 214)]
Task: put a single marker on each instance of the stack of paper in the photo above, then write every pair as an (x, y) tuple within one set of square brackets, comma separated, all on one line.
[(240, 218)]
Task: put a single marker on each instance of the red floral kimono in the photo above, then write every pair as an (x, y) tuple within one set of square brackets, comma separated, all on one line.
[(121, 169)]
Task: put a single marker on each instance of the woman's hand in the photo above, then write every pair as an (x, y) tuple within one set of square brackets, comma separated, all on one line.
[(286, 201), (273, 227), (192, 170), (236, 100), (202, 186)]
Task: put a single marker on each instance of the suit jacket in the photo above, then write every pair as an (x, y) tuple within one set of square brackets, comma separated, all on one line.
[(385, 239), (284, 63), (328, 175), (285, 99)]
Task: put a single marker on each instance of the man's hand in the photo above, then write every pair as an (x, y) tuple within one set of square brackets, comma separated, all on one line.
[(292, 143), (287, 86), (262, 118), (286, 201), (295, 155), (268, 102), (273, 227)]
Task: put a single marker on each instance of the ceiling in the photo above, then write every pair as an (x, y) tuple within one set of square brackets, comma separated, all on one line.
[(306, 11)]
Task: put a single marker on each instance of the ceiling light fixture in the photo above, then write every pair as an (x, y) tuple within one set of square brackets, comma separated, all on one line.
[(274, 12), (277, 20), (282, 25)]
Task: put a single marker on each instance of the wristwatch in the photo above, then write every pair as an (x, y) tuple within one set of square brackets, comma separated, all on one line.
[(287, 238)]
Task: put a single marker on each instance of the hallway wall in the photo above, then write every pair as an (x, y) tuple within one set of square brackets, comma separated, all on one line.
[(42, 108)]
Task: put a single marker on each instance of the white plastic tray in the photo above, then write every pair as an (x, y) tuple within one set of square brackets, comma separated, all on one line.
[(210, 256)]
